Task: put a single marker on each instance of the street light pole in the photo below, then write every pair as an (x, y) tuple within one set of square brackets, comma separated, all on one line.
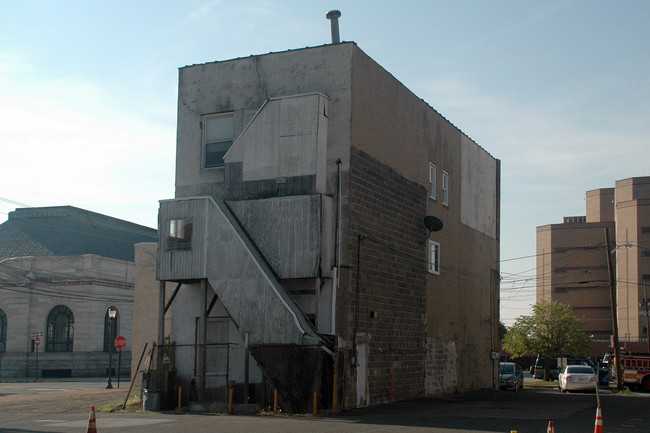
[(111, 316)]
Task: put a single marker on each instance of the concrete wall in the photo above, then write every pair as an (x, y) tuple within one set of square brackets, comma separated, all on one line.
[(242, 86), (88, 285)]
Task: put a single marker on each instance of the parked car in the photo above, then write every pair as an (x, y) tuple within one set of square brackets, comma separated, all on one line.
[(570, 360), (576, 378), (511, 376)]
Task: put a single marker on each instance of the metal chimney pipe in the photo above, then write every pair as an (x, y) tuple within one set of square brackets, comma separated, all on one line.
[(333, 16)]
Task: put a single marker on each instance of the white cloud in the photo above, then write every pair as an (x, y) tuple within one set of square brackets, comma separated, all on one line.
[(64, 143)]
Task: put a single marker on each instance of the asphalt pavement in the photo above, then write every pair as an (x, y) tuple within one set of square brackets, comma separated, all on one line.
[(57, 407)]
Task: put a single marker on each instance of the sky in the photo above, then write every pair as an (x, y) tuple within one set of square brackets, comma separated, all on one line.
[(559, 91)]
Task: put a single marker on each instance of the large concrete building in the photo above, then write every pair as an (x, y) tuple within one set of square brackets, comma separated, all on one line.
[(61, 269), (333, 224), (572, 259)]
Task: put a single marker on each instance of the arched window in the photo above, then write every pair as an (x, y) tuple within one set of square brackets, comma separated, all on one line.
[(3, 331), (108, 324), (60, 329)]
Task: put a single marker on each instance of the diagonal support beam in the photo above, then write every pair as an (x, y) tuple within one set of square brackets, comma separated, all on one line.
[(169, 303)]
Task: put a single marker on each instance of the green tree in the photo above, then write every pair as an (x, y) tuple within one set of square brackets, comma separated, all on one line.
[(552, 330)]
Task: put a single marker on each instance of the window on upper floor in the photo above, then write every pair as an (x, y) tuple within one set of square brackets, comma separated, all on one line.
[(434, 258), (433, 184), (180, 234), (445, 188), (217, 138)]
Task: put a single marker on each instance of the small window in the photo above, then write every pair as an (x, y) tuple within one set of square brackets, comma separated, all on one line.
[(645, 229), (645, 254), (217, 139), (445, 188), (434, 258), (180, 234), (433, 185)]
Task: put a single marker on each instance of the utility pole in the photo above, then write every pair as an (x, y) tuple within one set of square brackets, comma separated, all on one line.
[(647, 319), (612, 295)]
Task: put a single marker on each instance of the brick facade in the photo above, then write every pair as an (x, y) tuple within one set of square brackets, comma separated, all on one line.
[(386, 298)]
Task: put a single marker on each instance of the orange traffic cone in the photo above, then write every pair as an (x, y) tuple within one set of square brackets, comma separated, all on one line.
[(550, 428), (92, 422), (598, 428)]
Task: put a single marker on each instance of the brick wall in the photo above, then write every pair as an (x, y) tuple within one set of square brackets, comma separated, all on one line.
[(385, 300)]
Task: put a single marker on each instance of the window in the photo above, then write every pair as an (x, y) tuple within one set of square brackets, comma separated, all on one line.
[(3, 331), (433, 185), (60, 330), (434, 257), (445, 188), (217, 139), (180, 234), (108, 324), (645, 254)]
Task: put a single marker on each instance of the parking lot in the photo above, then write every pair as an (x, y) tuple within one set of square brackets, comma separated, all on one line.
[(55, 407)]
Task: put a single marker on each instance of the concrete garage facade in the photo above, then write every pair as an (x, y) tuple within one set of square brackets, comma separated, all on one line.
[(310, 190)]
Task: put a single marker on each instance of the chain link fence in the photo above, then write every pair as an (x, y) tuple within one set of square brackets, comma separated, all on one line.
[(206, 373)]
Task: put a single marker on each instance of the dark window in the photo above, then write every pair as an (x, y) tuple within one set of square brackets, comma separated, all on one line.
[(180, 234), (645, 229), (645, 254), (3, 331), (560, 270), (60, 330), (108, 324)]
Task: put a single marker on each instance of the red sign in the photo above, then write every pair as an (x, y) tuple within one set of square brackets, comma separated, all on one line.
[(120, 342), (37, 341)]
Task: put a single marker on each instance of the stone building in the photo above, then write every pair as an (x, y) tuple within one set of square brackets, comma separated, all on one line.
[(572, 260), (61, 269), (333, 224)]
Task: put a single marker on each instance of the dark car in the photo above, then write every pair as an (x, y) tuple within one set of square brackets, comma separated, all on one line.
[(538, 372), (511, 376)]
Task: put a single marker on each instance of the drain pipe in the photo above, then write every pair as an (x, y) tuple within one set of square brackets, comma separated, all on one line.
[(337, 245)]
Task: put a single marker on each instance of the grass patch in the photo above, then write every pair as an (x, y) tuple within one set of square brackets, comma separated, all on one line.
[(624, 391), (134, 404)]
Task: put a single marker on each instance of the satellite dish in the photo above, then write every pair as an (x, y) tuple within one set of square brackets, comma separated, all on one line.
[(432, 223)]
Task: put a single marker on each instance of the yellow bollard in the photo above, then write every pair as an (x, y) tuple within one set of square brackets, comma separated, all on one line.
[(230, 401), (315, 402), (275, 401)]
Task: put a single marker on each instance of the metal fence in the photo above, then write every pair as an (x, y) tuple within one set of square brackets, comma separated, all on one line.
[(221, 373)]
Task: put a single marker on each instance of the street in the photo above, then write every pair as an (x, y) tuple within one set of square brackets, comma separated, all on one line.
[(64, 407)]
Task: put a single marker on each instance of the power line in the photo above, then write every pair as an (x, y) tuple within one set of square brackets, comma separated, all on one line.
[(17, 203)]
